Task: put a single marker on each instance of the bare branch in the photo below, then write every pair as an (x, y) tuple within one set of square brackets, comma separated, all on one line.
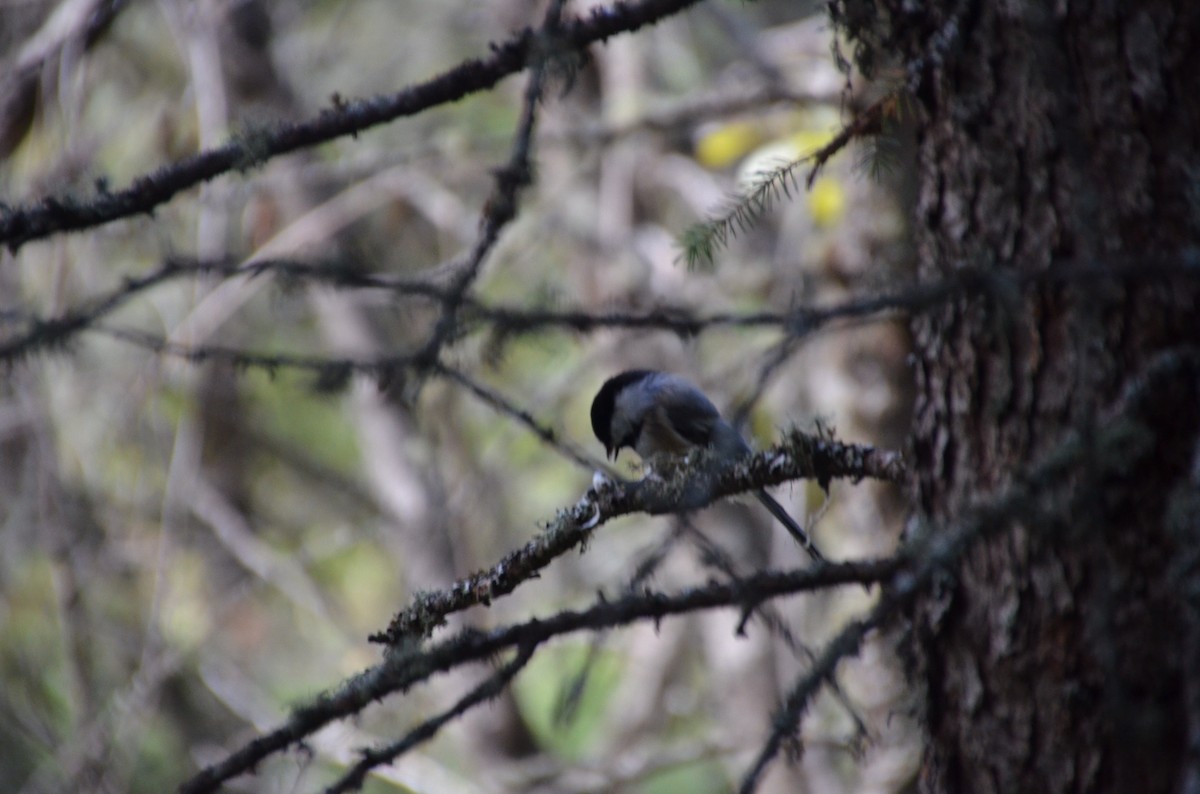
[(799, 321), (687, 487), (405, 666), (68, 212)]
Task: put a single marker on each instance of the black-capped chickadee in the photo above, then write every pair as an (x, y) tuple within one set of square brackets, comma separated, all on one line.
[(657, 413)]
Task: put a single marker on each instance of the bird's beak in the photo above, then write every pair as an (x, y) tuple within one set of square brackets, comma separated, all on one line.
[(610, 452)]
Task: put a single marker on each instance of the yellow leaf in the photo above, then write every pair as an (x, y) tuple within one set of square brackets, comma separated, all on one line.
[(827, 201), (724, 145)]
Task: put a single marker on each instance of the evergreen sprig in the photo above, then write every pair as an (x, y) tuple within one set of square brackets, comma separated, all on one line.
[(702, 240)]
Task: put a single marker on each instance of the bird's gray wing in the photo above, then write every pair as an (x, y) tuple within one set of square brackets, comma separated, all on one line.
[(692, 416)]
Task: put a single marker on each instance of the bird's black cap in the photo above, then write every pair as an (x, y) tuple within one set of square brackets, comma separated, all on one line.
[(604, 404)]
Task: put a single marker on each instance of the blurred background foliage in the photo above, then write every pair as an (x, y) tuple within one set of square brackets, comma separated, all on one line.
[(191, 549)]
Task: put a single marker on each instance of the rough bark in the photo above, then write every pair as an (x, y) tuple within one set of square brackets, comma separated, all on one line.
[(1052, 136)]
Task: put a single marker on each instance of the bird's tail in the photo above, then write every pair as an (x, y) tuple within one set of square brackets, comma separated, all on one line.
[(790, 524)]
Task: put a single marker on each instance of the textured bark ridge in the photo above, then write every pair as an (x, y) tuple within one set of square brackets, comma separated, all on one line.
[(1052, 135)]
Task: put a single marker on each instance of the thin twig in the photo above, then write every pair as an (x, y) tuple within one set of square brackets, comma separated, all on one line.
[(488, 689), (502, 404), (501, 207)]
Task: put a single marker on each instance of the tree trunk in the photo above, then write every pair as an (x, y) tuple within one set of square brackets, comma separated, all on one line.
[(1052, 137)]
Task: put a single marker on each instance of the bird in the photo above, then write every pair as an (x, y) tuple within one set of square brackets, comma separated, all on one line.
[(660, 413)]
